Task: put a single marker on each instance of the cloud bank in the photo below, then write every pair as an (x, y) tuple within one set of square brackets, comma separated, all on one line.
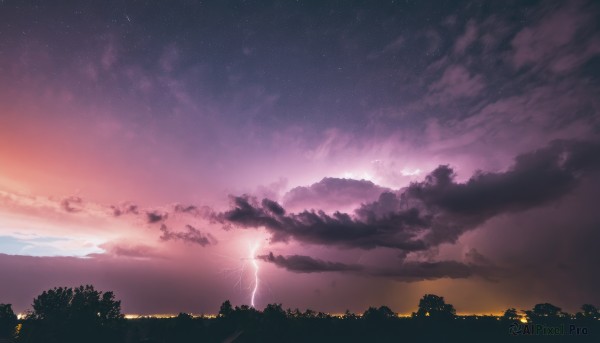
[(428, 213), (409, 271)]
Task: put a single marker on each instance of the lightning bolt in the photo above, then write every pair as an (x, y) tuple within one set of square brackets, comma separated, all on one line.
[(252, 258), (243, 272)]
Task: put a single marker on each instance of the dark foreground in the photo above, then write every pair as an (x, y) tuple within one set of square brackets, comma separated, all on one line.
[(82, 314), (325, 329)]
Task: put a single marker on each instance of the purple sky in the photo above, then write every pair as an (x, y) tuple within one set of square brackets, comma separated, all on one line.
[(372, 153)]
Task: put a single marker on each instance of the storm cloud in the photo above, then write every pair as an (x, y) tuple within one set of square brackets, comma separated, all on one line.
[(408, 271), (126, 208), (155, 216), (307, 264), (191, 235), (72, 204), (435, 211)]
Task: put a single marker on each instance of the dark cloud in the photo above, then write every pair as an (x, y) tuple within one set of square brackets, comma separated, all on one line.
[(332, 193), (119, 210), (191, 235), (155, 216), (196, 211), (535, 179), (273, 207), (405, 271), (72, 204), (396, 231), (437, 210), (307, 264), (186, 209)]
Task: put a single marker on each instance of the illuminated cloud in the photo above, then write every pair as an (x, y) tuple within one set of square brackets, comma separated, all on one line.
[(435, 211), (332, 193)]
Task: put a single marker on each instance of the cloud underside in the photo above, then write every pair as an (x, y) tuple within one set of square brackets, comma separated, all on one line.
[(428, 213), (404, 271)]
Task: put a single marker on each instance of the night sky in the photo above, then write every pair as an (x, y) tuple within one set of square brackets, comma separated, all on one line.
[(358, 153)]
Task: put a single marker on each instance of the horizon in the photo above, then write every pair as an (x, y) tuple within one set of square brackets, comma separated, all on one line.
[(319, 155)]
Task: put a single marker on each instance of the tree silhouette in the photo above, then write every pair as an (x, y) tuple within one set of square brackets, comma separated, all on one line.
[(183, 317), (81, 303), (293, 313), (546, 313), (322, 315), (53, 305), (590, 311), (510, 314), (75, 314), (274, 312), (376, 314), (226, 309), (82, 314), (8, 321), (309, 313), (545, 310), (434, 306), (350, 315)]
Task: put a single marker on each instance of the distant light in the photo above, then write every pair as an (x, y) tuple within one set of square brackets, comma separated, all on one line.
[(167, 316)]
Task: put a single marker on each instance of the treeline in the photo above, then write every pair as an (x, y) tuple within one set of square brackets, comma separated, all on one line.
[(83, 314)]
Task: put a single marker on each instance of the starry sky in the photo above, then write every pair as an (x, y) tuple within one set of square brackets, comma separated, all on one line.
[(362, 153)]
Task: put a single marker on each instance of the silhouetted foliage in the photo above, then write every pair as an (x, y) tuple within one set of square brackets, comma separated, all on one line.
[(510, 314), (8, 321), (545, 312), (350, 315), (226, 309), (274, 312), (381, 313), (293, 313), (590, 311), (309, 313), (184, 317), (85, 315), (80, 303), (74, 314), (434, 306)]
